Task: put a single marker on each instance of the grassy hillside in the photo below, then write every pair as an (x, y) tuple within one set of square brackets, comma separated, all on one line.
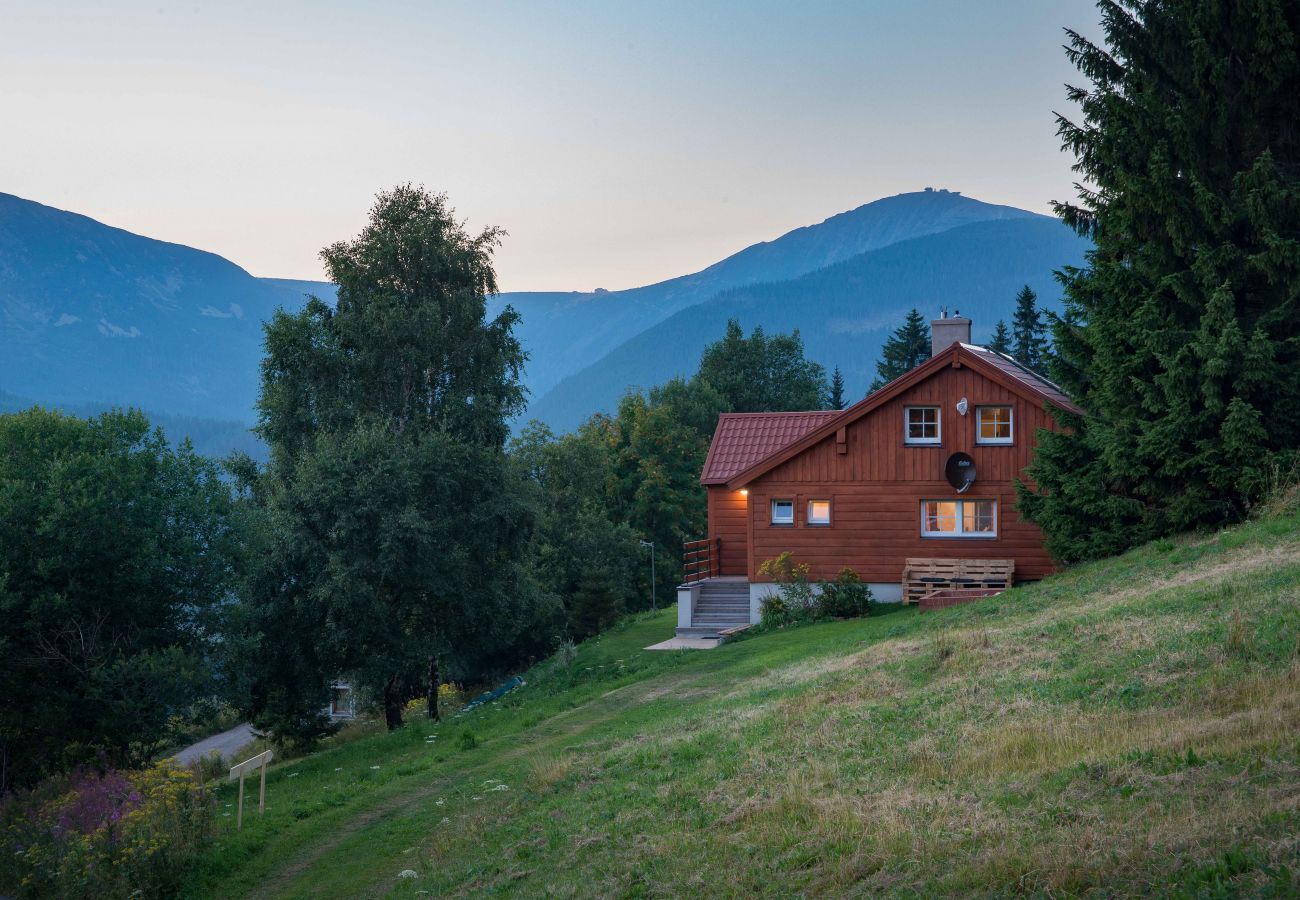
[(1129, 726)]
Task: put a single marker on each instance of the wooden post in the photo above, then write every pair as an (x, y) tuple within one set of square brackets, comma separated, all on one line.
[(239, 771), (261, 793)]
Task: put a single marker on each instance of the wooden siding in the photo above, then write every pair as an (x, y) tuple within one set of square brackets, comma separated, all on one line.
[(876, 487), (728, 516)]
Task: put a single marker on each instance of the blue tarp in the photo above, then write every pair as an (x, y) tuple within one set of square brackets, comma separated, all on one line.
[(494, 694)]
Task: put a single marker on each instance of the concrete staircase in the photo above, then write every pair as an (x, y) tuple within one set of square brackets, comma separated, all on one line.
[(723, 603)]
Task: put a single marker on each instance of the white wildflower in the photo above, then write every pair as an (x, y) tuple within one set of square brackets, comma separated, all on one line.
[(408, 873), (374, 767)]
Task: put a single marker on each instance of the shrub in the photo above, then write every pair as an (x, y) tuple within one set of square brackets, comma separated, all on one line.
[(773, 612), (846, 597), (115, 833), (794, 588)]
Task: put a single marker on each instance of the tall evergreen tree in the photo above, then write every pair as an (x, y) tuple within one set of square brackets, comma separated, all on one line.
[(1028, 330), (1001, 341), (836, 399), (904, 350), (398, 524), (1181, 336), (760, 373)]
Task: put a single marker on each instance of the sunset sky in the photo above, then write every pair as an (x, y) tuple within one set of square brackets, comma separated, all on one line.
[(619, 143)]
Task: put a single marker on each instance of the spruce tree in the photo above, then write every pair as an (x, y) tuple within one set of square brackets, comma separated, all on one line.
[(904, 350), (1180, 337), (1001, 340), (836, 399), (1028, 331)]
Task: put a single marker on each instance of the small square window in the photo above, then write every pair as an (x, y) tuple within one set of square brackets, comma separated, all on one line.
[(921, 425), (993, 425), (819, 512), (782, 512)]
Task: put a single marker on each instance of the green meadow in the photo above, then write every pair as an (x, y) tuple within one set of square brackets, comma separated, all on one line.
[(1130, 726)]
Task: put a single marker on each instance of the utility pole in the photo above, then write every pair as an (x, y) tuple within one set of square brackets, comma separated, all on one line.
[(654, 605)]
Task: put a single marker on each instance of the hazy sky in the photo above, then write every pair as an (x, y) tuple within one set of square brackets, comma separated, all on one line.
[(619, 143)]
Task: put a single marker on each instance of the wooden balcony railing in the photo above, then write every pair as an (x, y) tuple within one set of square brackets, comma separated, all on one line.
[(701, 559)]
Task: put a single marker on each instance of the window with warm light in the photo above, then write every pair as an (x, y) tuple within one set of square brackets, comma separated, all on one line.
[(782, 512), (993, 425), (819, 512), (921, 425), (959, 518)]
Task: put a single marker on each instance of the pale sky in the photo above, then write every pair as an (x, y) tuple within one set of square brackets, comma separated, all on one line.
[(619, 143)]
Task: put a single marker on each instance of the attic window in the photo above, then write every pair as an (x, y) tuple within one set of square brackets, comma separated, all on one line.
[(993, 425), (921, 425), (819, 512), (782, 512)]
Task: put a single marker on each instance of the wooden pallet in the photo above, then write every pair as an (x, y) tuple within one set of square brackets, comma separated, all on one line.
[(924, 575), (946, 597)]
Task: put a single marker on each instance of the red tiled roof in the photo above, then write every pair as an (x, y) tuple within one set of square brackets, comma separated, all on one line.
[(743, 439)]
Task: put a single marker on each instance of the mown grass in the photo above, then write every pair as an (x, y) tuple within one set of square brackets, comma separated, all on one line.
[(1127, 727)]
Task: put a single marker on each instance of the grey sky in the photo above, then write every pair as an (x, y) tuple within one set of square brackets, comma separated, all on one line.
[(619, 143)]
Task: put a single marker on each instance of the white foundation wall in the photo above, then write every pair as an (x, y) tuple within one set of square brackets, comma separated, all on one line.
[(881, 592)]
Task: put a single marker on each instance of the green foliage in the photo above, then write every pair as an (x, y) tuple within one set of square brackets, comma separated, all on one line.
[(762, 374), (595, 606), (904, 350), (836, 398), (1001, 340), (1029, 345), (1180, 337), (392, 528), (576, 534), (801, 599), (846, 597), (116, 555), (795, 600), (110, 834)]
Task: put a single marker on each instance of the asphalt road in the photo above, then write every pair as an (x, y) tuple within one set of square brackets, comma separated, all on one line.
[(228, 744)]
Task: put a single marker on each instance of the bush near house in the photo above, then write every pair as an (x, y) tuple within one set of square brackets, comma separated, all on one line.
[(108, 834), (801, 599)]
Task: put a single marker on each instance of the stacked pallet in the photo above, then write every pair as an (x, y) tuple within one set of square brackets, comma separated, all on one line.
[(925, 575)]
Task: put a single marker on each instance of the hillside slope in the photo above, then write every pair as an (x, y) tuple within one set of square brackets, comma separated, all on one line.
[(844, 312), (1127, 727)]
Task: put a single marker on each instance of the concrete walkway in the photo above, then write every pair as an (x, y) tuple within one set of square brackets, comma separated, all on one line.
[(228, 744), (686, 643)]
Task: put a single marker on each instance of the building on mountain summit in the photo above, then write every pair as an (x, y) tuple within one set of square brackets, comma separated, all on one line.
[(922, 469)]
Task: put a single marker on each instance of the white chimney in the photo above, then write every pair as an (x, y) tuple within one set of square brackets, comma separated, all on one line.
[(948, 330)]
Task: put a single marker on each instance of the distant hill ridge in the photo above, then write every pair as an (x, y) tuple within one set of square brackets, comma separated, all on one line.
[(92, 314), (564, 332), (844, 311)]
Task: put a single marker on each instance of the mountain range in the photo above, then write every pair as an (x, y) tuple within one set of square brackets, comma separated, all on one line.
[(92, 315)]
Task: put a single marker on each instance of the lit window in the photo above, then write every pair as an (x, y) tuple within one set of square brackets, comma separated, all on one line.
[(819, 512), (782, 512), (993, 425), (922, 424), (959, 518)]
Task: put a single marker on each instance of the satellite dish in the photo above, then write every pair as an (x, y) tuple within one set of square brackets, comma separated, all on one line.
[(960, 471)]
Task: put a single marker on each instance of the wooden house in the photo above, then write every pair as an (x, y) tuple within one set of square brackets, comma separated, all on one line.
[(922, 469)]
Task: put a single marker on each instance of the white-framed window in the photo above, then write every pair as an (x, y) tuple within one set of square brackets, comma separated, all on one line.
[(819, 512), (782, 512), (921, 425), (972, 518), (993, 425)]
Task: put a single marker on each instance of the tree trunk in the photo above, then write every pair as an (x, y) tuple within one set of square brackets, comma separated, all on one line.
[(393, 702), (434, 682)]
